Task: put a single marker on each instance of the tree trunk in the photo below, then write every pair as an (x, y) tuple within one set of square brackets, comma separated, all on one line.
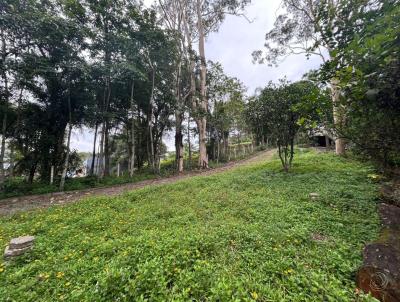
[(132, 159), (94, 151), (338, 117), (65, 168), (12, 159), (100, 160), (32, 171), (3, 149), (189, 144), (150, 124), (107, 150), (202, 121), (179, 151), (6, 98), (179, 115)]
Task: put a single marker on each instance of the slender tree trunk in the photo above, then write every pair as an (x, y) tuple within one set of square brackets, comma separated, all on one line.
[(158, 155), (189, 144), (3, 149), (202, 121), (52, 174), (179, 115), (179, 151), (64, 173), (139, 157), (94, 150), (218, 150), (65, 168), (12, 159), (150, 123), (100, 160), (4, 124), (291, 153), (338, 117), (32, 171), (107, 149), (132, 159)]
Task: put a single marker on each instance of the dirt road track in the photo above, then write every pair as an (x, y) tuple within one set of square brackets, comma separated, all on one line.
[(30, 202)]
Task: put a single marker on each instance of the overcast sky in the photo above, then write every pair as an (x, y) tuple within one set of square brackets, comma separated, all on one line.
[(232, 46)]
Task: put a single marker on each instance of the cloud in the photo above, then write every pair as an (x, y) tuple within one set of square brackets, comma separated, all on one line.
[(236, 39)]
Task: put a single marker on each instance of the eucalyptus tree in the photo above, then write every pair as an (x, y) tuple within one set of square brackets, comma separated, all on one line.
[(172, 12), (193, 21), (227, 102), (316, 27)]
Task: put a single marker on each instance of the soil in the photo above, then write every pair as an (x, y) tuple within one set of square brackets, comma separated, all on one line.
[(10, 206)]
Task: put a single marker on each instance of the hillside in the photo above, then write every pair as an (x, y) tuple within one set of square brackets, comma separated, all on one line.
[(247, 234)]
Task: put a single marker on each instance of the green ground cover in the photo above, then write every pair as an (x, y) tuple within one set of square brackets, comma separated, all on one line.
[(250, 234), (17, 186)]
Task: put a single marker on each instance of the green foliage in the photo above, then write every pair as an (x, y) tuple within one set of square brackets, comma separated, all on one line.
[(245, 235), (226, 97), (14, 187), (368, 70), (282, 110)]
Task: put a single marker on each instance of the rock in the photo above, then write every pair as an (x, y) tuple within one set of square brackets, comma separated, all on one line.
[(390, 215), (390, 193), (314, 196), (21, 242), (9, 253), (380, 274), (378, 283), (18, 246)]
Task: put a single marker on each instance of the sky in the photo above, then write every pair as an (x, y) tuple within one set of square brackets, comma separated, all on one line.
[(232, 46)]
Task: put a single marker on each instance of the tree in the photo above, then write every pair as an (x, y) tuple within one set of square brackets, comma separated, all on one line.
[(315, 27), (195, 20), (226, 106), (285, 113), (367, 70), (45, 44)]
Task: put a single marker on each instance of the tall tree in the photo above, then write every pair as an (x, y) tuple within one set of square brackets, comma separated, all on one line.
[(312, 27), (200, 18), (367, 71), (172, 12)]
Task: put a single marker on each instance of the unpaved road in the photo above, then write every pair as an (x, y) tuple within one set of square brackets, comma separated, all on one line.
[(24, 203)]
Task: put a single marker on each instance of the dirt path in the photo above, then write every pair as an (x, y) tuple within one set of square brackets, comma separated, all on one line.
[(25, 203)]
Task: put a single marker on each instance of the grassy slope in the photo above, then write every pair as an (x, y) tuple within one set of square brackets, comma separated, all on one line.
[(244, 235), (19, 187)]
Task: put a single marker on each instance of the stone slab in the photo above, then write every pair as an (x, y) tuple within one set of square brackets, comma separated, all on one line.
[(21, 242), (9, 253), (313, 196)]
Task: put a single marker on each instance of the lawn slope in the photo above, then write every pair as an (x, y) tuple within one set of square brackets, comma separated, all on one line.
[(250, 234)]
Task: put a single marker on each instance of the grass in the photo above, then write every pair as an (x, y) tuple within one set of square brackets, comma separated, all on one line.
[(17, 186), (244, 235)]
